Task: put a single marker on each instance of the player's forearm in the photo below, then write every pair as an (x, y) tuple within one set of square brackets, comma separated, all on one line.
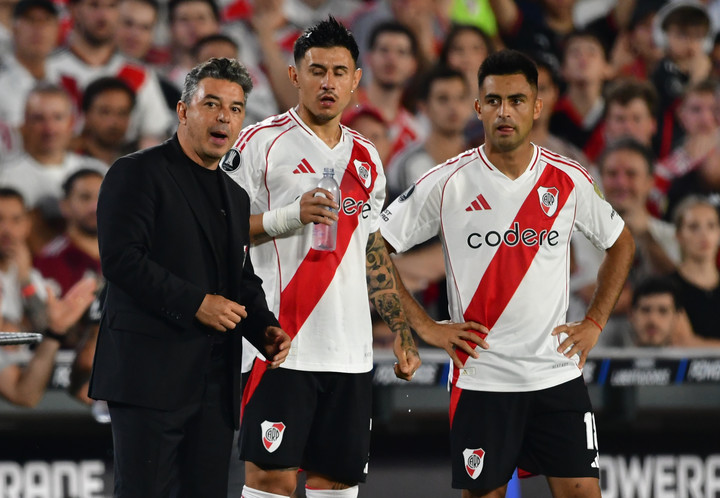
[(382, 283), (611, 277)]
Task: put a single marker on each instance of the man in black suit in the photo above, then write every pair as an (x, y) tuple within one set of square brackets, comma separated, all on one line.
[(181, 294)]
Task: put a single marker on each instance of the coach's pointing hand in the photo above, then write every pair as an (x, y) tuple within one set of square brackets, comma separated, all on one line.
[(220, 313)]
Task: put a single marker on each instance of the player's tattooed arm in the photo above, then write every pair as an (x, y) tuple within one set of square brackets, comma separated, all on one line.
[(382, 290)]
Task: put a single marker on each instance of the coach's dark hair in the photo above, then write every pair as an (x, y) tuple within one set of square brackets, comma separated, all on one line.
[(631, 144), (213, 38), (105, 84), (173, 4), (438, 73), (220, 69), (392, 27), (327, 33), (69, 182), (655, 285), (507, 62), (11, 193)]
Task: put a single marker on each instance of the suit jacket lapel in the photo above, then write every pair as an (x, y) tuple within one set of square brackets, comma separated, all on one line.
[(191, 191)]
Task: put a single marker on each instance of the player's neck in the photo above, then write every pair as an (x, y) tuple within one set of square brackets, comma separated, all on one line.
[(327, 131), (511, 163)]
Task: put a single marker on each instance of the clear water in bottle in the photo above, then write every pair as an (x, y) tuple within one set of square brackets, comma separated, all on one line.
[(324, 236)]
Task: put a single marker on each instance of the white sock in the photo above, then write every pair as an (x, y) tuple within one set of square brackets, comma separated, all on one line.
[(332, 493), (256, 493)]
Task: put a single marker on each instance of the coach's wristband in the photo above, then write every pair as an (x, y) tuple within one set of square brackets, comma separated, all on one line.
[(282, 220)]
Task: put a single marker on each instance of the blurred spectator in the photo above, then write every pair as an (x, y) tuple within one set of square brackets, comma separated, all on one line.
[(39, 171), (625, 168), (700, 144), (107, 105), (92, 53), (549, 92), (465, 48), (23, 288), (392, 59), (25, 386), (636, 54), (578, 115), (445, 100), (697, 277), (428, 20), (35, 31), (535, 26), (74, 254), (682, 29), (135, 33), (190, 20), (630, 109), (656, 312), (262, 103), (369, 123)]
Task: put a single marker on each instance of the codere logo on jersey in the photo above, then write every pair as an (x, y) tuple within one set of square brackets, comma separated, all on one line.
[(474, 460), (514, 236), (272, 435)]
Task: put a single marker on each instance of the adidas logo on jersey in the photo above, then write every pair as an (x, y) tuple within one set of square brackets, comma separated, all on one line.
[(478, 204), (303, 167)]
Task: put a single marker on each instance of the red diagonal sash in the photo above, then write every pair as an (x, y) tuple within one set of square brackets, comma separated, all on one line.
[(510, 264), (313, 276)]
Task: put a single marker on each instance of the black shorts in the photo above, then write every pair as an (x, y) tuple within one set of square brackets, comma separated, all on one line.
[(317, 421), (549, 432)]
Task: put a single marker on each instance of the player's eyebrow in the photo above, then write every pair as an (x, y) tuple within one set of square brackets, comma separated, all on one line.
[(215, 97), (324, 67)]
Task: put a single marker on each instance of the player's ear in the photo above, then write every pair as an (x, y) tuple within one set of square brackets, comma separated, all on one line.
[(293, 75), (538, 107), (478, 109)]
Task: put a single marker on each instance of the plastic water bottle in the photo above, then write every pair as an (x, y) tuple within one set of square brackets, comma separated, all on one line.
[(324, 236)]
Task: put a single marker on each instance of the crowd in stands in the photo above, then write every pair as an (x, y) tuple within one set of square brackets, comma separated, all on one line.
[(632, 95)]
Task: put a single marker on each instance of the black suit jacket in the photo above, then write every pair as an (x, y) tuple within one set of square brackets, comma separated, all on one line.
[(160, 260)]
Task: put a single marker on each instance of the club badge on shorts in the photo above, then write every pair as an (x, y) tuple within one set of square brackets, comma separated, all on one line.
[(272, 435), (548, 199), (363, 171), (474, 460)]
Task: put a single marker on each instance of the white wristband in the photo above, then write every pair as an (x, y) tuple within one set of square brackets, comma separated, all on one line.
[(282, 220)]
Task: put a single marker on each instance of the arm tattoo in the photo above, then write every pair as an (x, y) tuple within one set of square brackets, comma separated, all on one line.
[(382, 288)]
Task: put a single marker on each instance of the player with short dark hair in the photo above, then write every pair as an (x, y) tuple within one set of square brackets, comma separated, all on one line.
[(314, 413), (506, 212)]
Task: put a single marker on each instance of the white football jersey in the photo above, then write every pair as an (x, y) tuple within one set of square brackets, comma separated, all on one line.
[(320, 297), (507, 257), (150, 117)]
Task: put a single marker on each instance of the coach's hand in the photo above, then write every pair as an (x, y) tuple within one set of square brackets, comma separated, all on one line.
[(277, 346), (314, 207), (581, 338), (220, 313)]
